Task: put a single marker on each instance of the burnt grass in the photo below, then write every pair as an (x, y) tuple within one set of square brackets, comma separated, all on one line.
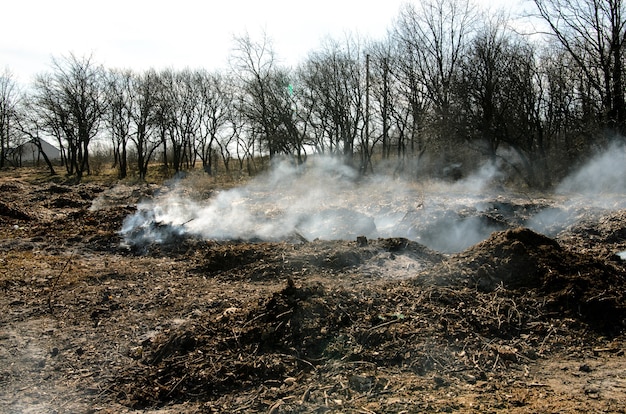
[(383, 325)]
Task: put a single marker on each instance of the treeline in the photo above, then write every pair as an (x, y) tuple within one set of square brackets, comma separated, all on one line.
[(449, 86)]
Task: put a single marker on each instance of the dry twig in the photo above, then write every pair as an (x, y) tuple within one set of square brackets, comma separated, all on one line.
[(56, 281)]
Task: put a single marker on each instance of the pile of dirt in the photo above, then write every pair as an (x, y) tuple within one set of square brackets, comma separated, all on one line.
[(294, 344), (602, 236), (572, 282), (13, 212), (511, 259)]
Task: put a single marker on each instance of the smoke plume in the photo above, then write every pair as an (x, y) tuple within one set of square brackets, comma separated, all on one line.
[(602, 174), (322, 199), (327, 199), (598, 185)]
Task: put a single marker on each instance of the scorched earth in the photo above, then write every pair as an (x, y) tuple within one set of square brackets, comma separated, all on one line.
[(114, 301)]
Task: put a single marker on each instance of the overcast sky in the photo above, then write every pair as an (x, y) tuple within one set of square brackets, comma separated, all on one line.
[(142, 34)]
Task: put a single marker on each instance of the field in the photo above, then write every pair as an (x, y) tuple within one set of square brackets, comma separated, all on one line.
[(166, 317)]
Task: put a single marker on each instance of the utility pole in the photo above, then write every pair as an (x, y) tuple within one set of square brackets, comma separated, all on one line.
[(367, 97), (366, 139)]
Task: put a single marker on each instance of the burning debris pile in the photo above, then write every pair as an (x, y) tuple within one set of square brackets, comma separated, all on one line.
[(464, 259), (327, 200)]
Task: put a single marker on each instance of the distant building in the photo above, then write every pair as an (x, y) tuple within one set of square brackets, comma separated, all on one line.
[(29, 153)]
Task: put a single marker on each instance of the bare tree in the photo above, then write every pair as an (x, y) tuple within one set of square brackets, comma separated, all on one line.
[(215, 119), (265, 99), (119, 115), (502, 101), (182, 95), (162, 118), (9, 100), (568, 109), (71, 105), (29, 124), (435, 33), (381, 84), (333, 79), (593, 32), (145, 91), (254, 64), (410, 113), (484, 88)]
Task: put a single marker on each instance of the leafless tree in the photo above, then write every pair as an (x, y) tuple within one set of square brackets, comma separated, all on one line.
[(70, 102), (29, 124), (120, 100), (163, 117), (9, 100), (593, 32), (266, 97), (334, 81), (254, 65), (570, 110), (183, 97), (485, 89), (214, 111), (436, 34), (144, 135), (502, 98), (383, 93), (410, 112)]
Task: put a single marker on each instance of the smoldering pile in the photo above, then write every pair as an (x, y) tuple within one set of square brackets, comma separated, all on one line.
[(328, 200), (143, 228), (324, 200)]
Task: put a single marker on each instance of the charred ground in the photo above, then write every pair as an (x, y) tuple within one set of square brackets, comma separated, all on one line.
[(520, 322)]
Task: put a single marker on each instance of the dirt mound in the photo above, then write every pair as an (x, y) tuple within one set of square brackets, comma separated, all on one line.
[(572, 282), (13, 187), (296, 342), (199, 359), (511, 258), (13, 212), (603, 235)]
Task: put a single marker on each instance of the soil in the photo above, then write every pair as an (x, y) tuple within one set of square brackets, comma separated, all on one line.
[(520, 322)]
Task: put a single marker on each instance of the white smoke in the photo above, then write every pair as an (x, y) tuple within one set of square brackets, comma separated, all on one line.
[(481, 180), (290, 199), (598, 185), (603, 174), (322, 199), (327, 199)]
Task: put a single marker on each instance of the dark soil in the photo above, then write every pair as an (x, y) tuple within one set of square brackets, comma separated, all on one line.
[(519, 322)]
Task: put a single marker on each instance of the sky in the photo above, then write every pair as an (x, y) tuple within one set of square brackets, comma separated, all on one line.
[(141, 34)]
